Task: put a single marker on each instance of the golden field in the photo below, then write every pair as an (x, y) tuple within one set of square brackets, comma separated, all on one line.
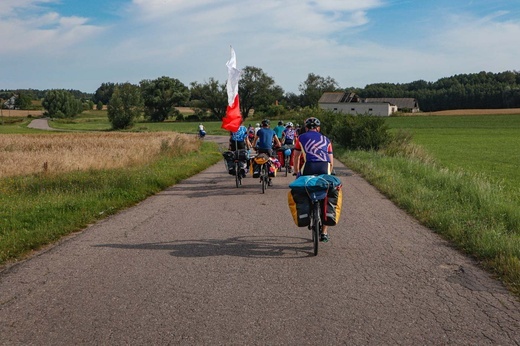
[(57, 153)]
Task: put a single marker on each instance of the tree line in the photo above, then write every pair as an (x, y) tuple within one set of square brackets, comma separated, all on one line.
[(156, 99), (463, 91)]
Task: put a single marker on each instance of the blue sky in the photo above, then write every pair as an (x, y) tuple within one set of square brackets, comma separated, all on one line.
[(79, 44)]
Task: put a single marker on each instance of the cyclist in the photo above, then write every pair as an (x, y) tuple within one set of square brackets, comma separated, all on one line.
[(239, 140), (279, 129), (288, 139), (264, 139), (317, 153), (202, 131)]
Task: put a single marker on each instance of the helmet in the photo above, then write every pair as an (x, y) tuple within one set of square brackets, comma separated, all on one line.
[(287, 152), (257, 124), (265, 122), (312, 123), (289, 124), (280, 123)]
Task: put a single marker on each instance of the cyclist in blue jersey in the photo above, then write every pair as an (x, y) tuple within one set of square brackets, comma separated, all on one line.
[(316, 150), (279, 129), (239, 139), (264, 140)]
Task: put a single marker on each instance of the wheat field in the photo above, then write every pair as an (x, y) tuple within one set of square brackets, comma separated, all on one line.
[(58, 153)]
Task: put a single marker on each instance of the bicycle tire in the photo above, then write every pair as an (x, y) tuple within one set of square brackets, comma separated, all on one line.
[(316, 226), (287, 160), (264, 178), (238, 177)]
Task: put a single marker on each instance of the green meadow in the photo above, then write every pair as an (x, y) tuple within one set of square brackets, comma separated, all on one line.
[(486, 145)]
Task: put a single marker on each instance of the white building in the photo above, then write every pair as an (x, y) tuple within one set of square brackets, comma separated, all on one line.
[(350, 103)]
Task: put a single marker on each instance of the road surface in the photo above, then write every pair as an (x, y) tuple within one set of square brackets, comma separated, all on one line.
[(206, 263)]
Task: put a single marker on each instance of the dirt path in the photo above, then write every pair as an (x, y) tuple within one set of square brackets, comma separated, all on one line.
[(40, 124), (205, 263)]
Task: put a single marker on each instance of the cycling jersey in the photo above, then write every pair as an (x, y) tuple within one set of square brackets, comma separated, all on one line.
[(314, 146), (289, 136), (240, 135), (265, 138)]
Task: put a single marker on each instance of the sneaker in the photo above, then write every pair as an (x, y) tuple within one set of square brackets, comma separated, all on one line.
[(324, 237), (270, 183)]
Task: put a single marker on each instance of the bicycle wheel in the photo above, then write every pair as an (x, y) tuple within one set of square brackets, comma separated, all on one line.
[(264, 177), (238, 177), (316, 226), (286, 160)]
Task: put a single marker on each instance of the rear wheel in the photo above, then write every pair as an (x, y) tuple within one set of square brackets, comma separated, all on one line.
[(264, 179), (238, 176), (316, 226), (287, 160)]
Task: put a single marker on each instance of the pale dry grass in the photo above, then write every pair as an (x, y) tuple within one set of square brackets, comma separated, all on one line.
[(57, 153), (500, 111), (21, 113)]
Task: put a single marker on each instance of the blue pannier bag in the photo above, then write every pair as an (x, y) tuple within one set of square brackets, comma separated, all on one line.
[(316, 186)]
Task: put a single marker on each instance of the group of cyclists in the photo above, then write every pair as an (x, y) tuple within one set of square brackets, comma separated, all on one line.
[(311, 150)]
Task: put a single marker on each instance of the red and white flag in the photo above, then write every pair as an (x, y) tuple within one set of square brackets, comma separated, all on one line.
[(233, 119)]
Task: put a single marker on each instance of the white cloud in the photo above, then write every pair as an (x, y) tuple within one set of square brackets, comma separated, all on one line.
[(26, 27)]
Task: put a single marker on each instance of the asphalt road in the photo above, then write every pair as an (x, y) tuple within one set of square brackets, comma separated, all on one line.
[(206, 263)]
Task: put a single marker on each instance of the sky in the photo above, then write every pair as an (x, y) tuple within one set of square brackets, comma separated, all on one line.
[(80, 44)]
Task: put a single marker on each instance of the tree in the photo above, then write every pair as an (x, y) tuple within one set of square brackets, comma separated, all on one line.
[(210, 96), (124, 106), (161, 96), (257, 91), (104, 93), (61, 104), (313, 87), (23, 101)]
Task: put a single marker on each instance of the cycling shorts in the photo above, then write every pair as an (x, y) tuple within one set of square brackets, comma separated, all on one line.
[(316, 168)]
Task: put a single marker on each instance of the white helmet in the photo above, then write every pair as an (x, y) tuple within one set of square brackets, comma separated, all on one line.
[(257, 124), (289, 124)]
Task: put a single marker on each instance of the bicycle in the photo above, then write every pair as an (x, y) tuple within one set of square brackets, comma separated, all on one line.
[(316, 222), (239, 156), (287, 160), (263, 161)]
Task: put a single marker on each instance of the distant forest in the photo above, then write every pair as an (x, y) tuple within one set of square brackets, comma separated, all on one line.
[(35, 94), (463, 91)]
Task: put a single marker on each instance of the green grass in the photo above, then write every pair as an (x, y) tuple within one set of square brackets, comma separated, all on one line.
[(37, 210), (13, 125), (98, 121), (482, 145), (464, 185)]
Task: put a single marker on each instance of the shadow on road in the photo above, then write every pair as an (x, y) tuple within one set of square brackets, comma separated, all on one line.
[(252, 247), (196, 188)]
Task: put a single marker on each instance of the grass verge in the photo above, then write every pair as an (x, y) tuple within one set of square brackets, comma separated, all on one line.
[(476, 215), (38, 209)]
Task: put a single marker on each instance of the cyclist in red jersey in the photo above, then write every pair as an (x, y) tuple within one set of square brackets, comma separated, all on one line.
[(317, 153)]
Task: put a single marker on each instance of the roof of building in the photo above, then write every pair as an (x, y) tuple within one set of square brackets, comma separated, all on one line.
[(346, 97), (401, 102)]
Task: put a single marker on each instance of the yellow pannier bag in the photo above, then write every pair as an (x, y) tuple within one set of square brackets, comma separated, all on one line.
[(300, 207), (261, 159)]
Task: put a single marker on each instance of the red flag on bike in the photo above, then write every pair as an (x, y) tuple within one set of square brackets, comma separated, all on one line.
[(233, 119)]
